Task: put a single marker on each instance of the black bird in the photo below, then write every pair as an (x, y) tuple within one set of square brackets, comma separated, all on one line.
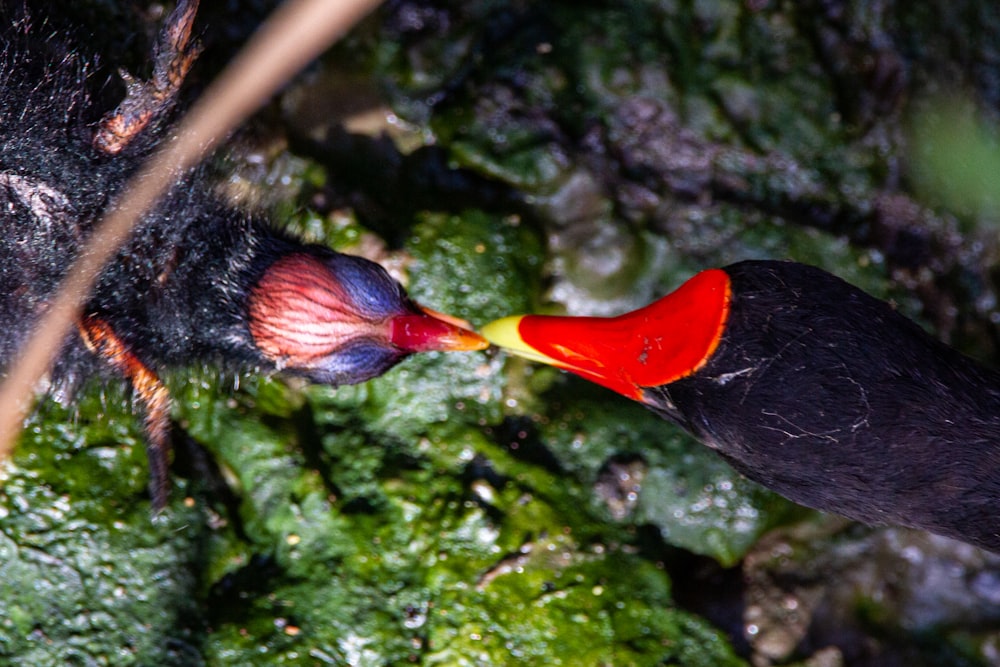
[(199, 281), (805, 384)]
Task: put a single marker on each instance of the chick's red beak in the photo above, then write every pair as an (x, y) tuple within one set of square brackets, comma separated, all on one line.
[(655, 345), (429, 331), (342, 319)]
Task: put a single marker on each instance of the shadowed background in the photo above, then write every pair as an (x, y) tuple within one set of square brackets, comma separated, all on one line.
[(471, 509)]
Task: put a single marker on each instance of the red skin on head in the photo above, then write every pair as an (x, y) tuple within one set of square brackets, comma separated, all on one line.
[(299, 314)]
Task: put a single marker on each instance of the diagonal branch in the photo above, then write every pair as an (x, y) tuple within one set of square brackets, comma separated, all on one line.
[(294, 35)]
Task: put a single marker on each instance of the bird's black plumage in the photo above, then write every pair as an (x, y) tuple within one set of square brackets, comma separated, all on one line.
[(199, 281), (811, 387), (174, 291), (833, 399)]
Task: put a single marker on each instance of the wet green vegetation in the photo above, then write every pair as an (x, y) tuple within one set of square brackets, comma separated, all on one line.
[(479, 510)]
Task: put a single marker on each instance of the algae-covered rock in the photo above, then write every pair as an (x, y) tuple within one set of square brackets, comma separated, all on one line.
[(87, 575), (478, 510), (387, 522)]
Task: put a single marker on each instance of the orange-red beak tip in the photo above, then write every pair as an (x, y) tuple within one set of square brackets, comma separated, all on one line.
[(430, 331)]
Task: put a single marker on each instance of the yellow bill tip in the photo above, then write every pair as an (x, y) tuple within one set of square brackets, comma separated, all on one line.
[(504, 334)]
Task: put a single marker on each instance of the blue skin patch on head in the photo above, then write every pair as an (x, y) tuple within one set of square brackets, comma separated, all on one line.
[(372, 290), (356, 362)]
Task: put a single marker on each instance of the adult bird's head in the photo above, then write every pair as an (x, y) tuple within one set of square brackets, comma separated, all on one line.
[(655, 345), (805, 384), (339, 319)]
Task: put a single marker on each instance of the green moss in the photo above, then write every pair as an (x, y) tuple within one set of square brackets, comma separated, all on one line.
[(458, 509), (693, 498), (86, 575), (386, 524), (572, 615)]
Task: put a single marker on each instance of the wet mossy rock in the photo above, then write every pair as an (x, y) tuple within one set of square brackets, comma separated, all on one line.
[(376, 524), (86, 576), (470, 509)]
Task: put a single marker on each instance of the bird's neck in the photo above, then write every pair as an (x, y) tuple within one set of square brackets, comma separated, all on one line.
[(184, 298), (838, 402)]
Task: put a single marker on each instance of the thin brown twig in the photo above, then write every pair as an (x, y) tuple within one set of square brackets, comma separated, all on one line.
[(296, 33)]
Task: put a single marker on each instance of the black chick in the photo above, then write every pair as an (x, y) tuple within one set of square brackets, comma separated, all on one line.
[(199, 281)]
